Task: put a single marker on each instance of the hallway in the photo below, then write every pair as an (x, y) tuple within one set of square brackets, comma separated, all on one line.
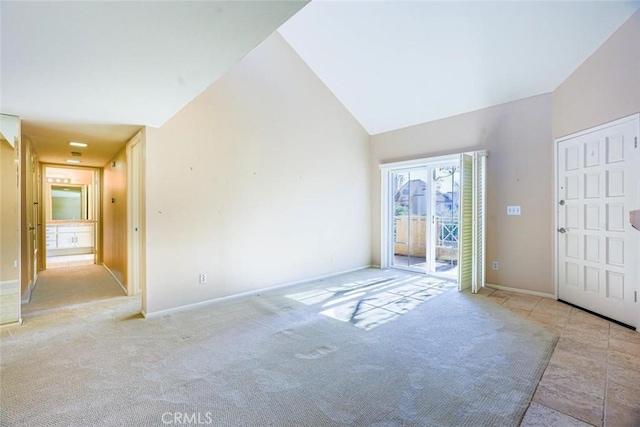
[(72, 287)]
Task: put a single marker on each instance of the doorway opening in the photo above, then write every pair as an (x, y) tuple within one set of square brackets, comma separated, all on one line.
[(426, 205), (71, 216), (433, 217)]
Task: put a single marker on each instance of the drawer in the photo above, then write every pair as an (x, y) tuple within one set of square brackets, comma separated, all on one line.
[(75, 228), (51, 236), (52, 244), (84, 229), (51, 229)]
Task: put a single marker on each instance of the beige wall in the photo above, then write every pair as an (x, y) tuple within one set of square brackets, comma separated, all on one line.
[(605, 87), (9, 220), (519, 172), (261, 180), (114, 216), (8, 212), (75, 175)]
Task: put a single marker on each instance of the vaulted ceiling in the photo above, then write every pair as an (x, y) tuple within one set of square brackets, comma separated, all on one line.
[(97, 71), (397, 64), (99, 67)]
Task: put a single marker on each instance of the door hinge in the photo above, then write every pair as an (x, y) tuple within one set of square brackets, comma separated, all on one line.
[(636, 142), (635, 296)]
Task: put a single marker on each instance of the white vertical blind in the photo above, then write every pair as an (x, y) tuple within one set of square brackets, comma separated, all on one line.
[(479, 207), (465, 231)]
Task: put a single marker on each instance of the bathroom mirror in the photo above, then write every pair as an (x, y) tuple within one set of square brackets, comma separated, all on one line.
[(68, 202)]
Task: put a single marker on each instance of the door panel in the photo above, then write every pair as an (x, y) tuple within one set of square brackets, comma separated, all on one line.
[(597, 247), (418, 219), (400, 222), (446, 212), (410, 218)]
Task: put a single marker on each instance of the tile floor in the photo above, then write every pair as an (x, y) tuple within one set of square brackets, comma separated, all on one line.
[(593, 377)]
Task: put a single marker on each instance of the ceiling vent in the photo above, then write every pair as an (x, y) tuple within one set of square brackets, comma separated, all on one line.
[(76, 154)]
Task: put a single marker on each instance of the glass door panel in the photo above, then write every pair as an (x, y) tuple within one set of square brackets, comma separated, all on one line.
[(418, 218), (400, 223), (446, 205), (410, 218)]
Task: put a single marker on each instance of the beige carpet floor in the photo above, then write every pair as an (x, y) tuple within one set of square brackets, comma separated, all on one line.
[(280, 358)]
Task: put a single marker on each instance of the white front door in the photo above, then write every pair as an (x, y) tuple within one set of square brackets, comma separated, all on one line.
[(598, 184)]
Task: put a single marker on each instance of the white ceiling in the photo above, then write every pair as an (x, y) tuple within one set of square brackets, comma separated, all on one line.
[(51, 141), (397, 64), (98, 71), (113, 63)]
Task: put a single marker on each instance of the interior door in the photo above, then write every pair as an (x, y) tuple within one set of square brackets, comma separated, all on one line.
[(597, 247)]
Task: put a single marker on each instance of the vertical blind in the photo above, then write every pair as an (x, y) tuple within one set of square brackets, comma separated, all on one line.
[(471, 263)]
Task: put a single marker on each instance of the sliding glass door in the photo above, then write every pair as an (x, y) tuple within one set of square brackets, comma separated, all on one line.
[(433, 217), (426, 202)]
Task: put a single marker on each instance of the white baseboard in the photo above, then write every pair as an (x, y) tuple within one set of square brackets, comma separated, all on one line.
[(12, 324), (117, 280), (248, 293), (520, 291), (26, 297)]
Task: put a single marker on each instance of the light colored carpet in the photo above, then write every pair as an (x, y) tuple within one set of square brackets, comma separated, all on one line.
[(69, 288), (453, 360)]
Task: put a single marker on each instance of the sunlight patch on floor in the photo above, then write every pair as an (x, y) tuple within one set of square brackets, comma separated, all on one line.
[(370, 303)]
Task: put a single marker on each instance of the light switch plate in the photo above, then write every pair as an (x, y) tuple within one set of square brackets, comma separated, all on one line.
[(513, 210)]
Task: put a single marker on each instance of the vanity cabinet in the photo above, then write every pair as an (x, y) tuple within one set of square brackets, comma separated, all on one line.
[(62, 237)]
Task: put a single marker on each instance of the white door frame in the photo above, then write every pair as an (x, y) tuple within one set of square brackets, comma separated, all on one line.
[(386, 213), (135, 225), (556, 199), (45, 209)]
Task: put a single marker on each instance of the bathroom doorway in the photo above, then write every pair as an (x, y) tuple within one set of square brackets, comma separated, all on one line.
[(71, 216)]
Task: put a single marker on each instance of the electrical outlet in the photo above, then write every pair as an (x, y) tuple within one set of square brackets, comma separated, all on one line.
[(513, 210), (496, 266), (203, 278)]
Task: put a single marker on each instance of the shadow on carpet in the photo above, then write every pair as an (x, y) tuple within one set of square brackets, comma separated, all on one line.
[(454, 360)]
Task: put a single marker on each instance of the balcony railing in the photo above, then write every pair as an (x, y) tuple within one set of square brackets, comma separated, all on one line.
[(410, 237)]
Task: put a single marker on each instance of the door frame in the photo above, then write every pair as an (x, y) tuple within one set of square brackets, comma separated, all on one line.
[(136, 198), (386, 213), (390, 223), (556, 198), (44, 211)]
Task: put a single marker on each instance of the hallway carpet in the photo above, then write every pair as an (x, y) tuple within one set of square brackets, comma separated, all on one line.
[(70, 287), (454, 360)]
